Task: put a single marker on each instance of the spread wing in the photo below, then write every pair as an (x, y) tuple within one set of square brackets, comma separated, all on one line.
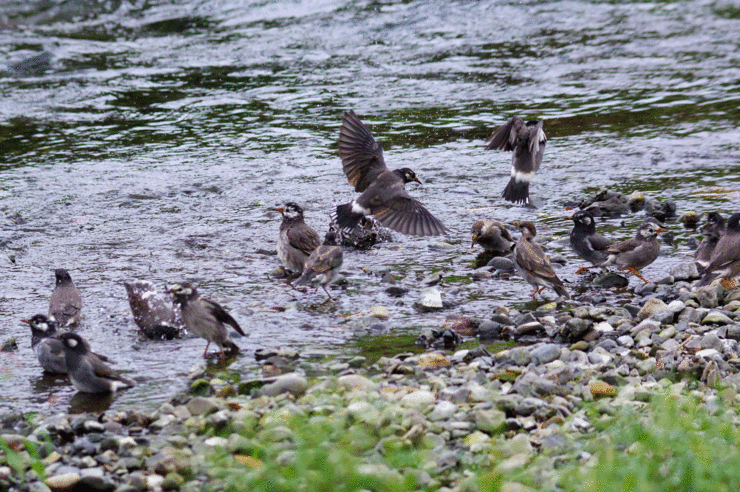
[(221, 315), (504, 138), (303, 238), (362, 156), (407, 216)]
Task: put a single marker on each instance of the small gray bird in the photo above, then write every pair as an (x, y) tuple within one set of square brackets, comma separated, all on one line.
[(635, 254), (322, 267), (87, 372), (586, 242), (383, 190), (205, 318), (492, 236), (297, 240), (155, 318), (527, 140), (65, 303), (533, 264), (725, 262), (46, 345), (712, 232)]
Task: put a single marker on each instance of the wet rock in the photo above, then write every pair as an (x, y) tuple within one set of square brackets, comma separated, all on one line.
[(611, 280), (575, 328), (489, 331), (502, 264), (288, 383), (9, 345), (684, 271), (430, 300)]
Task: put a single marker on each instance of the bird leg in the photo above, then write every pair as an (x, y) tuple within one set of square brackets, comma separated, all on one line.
[(536, 291), (635, 272), (205, 356), (327, 292), (583, 270)]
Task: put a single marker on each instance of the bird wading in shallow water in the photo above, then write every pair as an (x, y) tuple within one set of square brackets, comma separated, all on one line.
[(635, 254), (155, 318), (205, 318), (65, 303), (87, 372), (383, 190), (712, 231), (586, 242), (533, 264), (322, 267), (47, 346), (527, 141), (492, 236), (297, 240), (725, 262)]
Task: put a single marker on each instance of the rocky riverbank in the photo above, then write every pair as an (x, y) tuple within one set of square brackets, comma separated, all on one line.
[(478, 408)]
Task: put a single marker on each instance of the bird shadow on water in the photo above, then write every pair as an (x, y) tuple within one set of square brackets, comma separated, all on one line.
[(90, 402)]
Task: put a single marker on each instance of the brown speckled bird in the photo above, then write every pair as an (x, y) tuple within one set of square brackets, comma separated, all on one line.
[(492, 236), (725, 262), (533, 264), (383, 190), (527, 141), (205, 318), (322, 267), (635, 254), (297, 240)]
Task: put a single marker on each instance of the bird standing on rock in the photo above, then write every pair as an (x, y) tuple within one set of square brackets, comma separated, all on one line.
[(585, 241), (322, 267), (492, 236), (65, 303), (87, 372), (297, 240), (725, 262), (533, 264), (383, 190), (635, 254), (205, 318), (527, 141), (712, 232)]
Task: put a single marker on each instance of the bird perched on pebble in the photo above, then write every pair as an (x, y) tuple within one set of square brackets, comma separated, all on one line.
[(527, 141), (65, 303), (383, 190), (635, 254), (533, 264), (46, 345), (585, 241), (297, 240), (492, 236), (322, 267), (712, 231), (725, 262), (87, 372), (205, 318), (155, 318)]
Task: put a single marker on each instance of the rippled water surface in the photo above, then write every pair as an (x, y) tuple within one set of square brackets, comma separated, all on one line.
[(157, 137)]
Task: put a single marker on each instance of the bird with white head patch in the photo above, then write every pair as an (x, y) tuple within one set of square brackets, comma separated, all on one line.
[(297, 240), (87, 372)]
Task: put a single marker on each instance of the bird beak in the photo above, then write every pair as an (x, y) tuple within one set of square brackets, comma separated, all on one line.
[(569, 217), (417, 180), (279, 209), (472, 246), (515, 224), (27, 321), (660, 229)]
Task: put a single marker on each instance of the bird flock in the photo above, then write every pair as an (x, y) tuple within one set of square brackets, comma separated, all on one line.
[(383, 199)]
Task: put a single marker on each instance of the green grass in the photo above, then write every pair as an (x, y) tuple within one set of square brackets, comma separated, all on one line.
[(673, 444)]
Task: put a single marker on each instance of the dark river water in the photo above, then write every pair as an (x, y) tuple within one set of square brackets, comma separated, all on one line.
[(150, 139)]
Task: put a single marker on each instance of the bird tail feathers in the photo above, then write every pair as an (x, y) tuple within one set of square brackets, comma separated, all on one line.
[(346, 218), (516, 191)]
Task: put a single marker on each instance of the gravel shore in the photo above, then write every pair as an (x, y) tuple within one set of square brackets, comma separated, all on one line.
[(472, 408)]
